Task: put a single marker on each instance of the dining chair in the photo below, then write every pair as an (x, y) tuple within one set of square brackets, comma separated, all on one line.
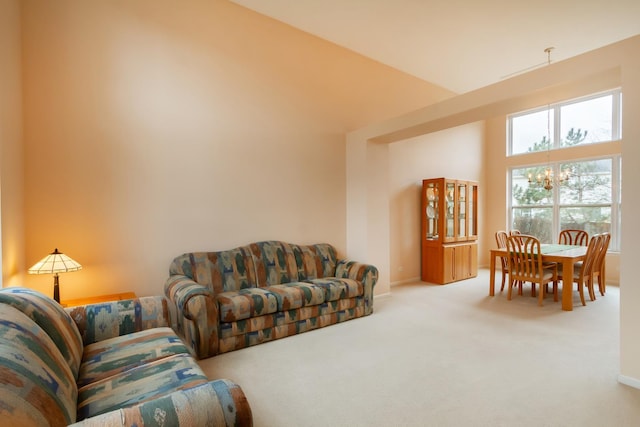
[(599, 267), (525, 265), (573, 237), (582, 273), (501, 241)]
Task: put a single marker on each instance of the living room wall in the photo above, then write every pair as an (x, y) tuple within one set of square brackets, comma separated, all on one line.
[(11, 158), (153, 128)]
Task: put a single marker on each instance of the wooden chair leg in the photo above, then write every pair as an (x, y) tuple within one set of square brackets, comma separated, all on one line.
[(581, 290), (504, 277), (541, 294), (601, 284)]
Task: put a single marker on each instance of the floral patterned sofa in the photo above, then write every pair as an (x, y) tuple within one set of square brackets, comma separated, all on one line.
[(263, 291), (109, 364)]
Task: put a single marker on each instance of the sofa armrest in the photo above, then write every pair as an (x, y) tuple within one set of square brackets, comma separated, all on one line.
[(365, 273), (216, 403), (100, 321), (197, 314)]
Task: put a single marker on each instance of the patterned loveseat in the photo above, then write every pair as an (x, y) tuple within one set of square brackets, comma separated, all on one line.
[(112, 364), (263, 291)]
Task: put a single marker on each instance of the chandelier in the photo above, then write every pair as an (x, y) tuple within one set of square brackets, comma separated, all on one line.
[(547, 179)]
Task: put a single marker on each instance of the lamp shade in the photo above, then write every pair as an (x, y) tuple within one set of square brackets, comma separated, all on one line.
[(55, 262)]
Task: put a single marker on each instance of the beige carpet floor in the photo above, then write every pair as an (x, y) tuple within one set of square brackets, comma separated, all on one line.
[(444, 356)]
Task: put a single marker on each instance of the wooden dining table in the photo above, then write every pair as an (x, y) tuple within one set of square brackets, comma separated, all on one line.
[(567, 255)]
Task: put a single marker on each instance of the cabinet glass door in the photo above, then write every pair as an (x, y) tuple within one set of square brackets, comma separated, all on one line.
[(432, 196), (450, 210), (461, 203), (473, 210)]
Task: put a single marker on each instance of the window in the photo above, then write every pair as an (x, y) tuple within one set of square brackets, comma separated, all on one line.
[(591, 199), (583, 121)]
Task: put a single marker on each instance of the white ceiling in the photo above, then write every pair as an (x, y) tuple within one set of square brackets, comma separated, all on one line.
[(460, 45)]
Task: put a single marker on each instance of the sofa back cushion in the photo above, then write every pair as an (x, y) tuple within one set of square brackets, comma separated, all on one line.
[(257, 265), (36, 383), (53, 320), (221, 271), (279, 262)]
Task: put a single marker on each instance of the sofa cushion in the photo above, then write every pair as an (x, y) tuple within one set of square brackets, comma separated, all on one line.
[(280, 262), (36, 383), (222, 271), (101, 321), (52, 318), (246, 303), (114, 355), (139, 384), (336, 289), (297, 294)]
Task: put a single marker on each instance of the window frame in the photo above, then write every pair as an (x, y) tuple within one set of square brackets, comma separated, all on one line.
[(556, 108)]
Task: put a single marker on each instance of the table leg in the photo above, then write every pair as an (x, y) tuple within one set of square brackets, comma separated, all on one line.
[(492, 277), (567, 285)]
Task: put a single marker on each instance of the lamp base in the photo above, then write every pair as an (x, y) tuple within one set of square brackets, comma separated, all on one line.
[(56, 288)]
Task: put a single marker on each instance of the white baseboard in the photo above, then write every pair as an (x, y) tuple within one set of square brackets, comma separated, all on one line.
[(631, 382), (386, 294), (402, 282)]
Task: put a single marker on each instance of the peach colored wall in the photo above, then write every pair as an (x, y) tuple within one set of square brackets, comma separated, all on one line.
[(452, 153), (11, 156), (153, 128)]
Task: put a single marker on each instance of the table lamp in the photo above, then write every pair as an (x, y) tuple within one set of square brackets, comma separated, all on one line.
[(54, 263)]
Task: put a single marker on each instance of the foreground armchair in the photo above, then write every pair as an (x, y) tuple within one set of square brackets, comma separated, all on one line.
[(107, 364)]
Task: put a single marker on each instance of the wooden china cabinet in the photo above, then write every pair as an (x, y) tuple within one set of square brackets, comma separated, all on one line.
[(449, 230)]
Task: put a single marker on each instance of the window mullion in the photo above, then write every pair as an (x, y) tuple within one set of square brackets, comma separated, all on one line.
[(616, 122), (556, 126)]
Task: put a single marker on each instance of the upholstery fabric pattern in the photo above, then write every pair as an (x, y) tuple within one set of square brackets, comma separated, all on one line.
[(245, 303), (225, 271), (189, 407), (297, 294), (336, 289), (283, 318), (139, 384), (114, 355), (36, 383), (52, 318), (97, 322)]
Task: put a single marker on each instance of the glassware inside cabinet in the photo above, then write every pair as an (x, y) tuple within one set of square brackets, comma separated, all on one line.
[(432, 199)]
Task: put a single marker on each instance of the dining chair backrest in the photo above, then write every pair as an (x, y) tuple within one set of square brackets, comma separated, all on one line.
[(501, 239), (515, 233), (605, 239), (591, 257), (573, 237), (525, 262)]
